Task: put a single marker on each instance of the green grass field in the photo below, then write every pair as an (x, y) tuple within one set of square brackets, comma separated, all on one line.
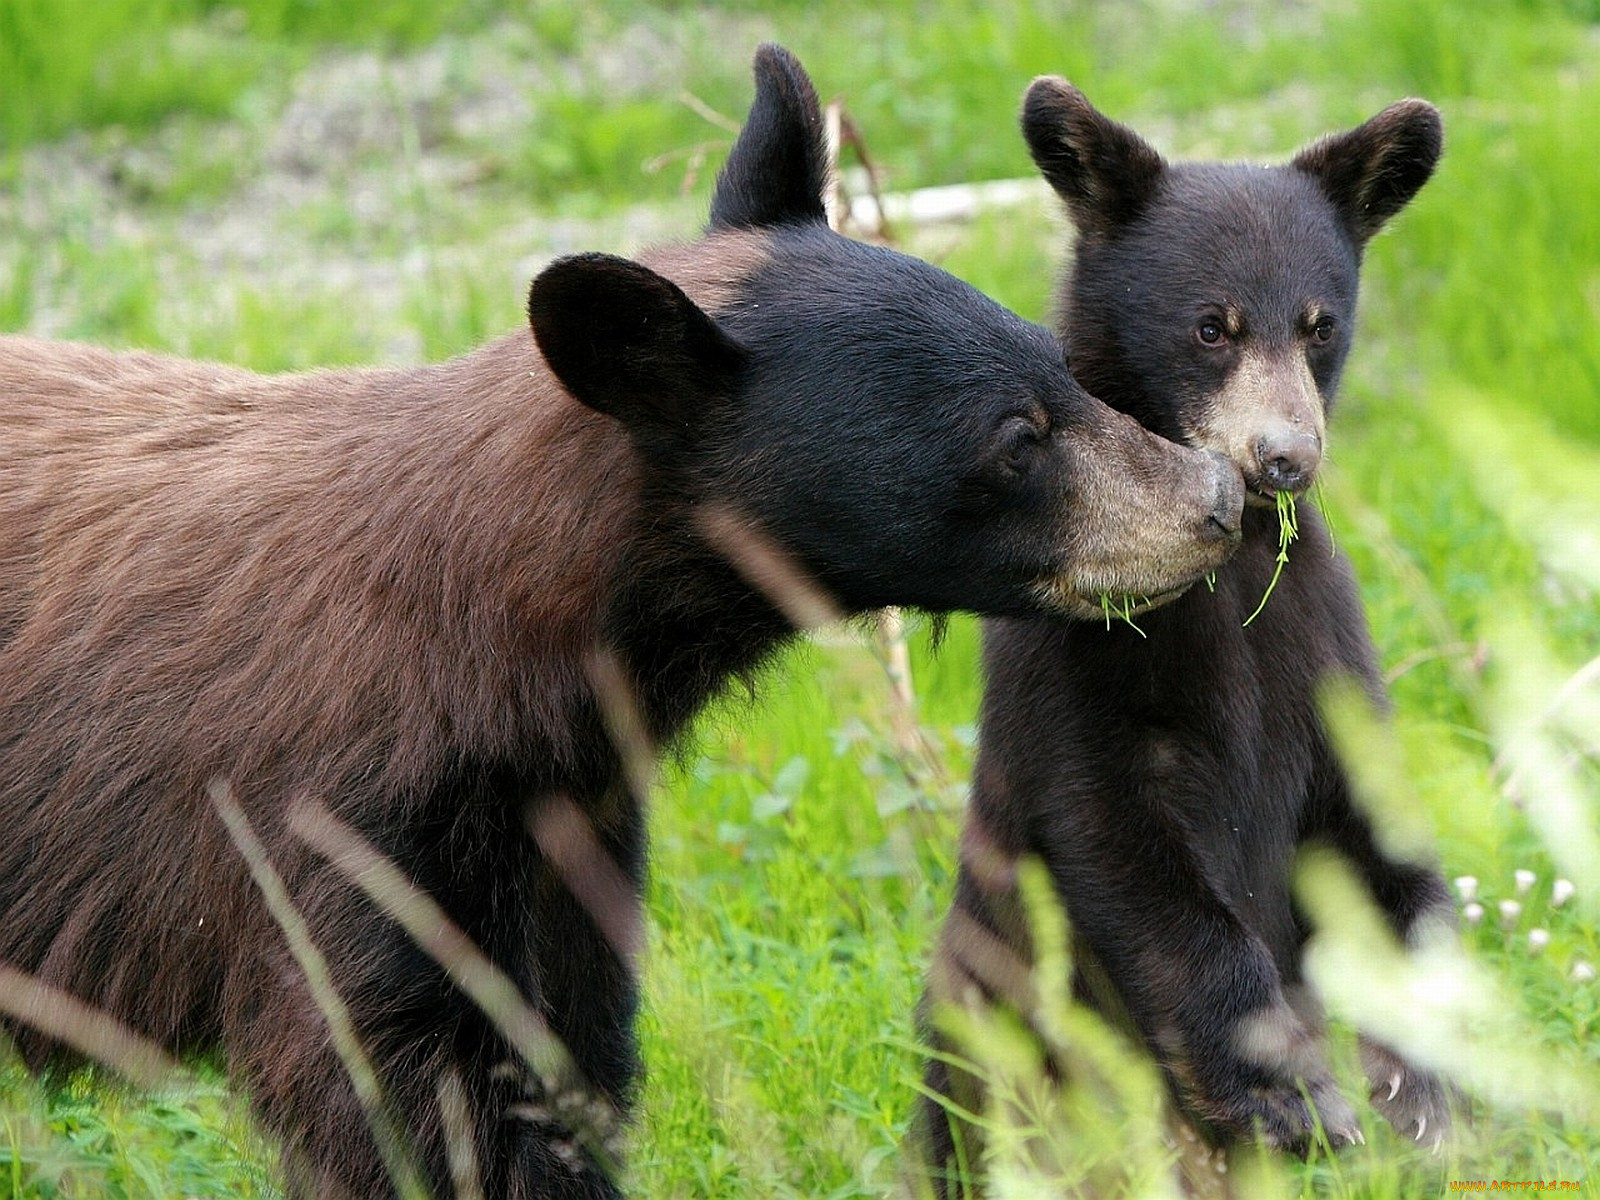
[(284, 183)]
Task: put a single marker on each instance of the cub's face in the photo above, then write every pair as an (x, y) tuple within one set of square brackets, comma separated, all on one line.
[(1222, 318), (1215, 302)]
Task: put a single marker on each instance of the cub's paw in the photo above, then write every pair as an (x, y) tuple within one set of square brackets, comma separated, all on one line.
[(1281, 1117), (1284, 1113), (1290, 1093), (1414, 1101)]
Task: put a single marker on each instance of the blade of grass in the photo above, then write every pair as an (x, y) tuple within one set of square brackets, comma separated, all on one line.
[(1288, 530)]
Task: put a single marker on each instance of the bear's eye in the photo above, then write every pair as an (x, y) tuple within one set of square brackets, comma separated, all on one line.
[(1211, 333), (1323, 330), (1019, 437)]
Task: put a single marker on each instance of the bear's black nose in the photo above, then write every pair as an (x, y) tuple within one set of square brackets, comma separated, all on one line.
[(1227, 506), (1288, 461)]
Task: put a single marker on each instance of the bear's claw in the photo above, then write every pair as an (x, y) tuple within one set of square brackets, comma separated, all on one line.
[(1414, 1101)]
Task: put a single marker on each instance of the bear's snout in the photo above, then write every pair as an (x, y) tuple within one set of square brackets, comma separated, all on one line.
[(1223, 523), (1288, 460)]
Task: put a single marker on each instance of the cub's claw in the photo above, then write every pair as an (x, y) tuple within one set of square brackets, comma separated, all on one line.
[(1414, 1101)]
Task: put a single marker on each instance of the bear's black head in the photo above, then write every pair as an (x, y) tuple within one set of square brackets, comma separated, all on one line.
[(901, 437), (1216, 302)]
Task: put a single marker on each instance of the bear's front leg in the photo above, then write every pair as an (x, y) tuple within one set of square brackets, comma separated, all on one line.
[(563, 1138), (1158, 942), (511, 1092), (1416, 903), (1242, 1063), (458, 1101)]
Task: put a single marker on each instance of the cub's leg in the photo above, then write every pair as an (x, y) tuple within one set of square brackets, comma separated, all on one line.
[(1201, 987), (1415, 901), (1158, 942)]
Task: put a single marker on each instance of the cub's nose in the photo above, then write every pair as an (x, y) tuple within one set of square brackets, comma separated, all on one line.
[(1288, 461), (1227, 505)]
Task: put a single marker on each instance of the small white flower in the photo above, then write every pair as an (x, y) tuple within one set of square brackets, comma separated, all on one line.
[(1525, 880), (1560, 892), (1538, 939), (1582, 972), (1510, 910), (1473, 913), (1467, 885)]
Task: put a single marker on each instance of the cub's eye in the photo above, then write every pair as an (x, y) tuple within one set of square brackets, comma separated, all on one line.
[(1324, 330), (1211, 333)]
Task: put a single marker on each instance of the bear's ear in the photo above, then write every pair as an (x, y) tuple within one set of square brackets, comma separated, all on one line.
[(629, 343), (778, 169), (1105, 171), (1372, 171)]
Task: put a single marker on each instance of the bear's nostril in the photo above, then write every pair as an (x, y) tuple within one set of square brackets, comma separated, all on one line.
[(1289, 465), (1220, 529), (1282, 471), (1227, 506)]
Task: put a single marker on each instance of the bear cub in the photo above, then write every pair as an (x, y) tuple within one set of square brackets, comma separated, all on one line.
[(1167, 775)]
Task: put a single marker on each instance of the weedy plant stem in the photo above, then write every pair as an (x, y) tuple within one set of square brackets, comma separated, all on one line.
[(465, 1180), (95, 1034), (1327, 518), (1288, 530)]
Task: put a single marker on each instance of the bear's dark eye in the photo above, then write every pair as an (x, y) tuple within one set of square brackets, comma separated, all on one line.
[(1211, 333), (1323, 330), (1018, 438)]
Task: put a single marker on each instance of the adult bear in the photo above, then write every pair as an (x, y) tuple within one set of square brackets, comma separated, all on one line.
[(1166, 775), (416, 598)]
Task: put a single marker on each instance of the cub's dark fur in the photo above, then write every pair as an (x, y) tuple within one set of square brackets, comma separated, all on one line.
[(405, 596), (1167, 780)]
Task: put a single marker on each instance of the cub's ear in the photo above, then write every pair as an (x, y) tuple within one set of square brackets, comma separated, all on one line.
[(1105, 171), (777, 171), (630, 344), (1372, 171)]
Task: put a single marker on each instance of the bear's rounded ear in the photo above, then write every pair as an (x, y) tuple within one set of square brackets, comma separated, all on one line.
[(1105, 171), (629, 343), (777, 171), (1372, 171)]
